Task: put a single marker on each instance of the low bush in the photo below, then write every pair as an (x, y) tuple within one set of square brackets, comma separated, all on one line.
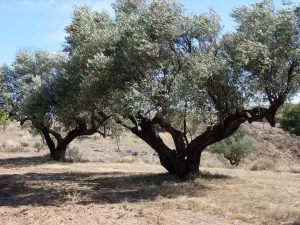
[(236, 147)]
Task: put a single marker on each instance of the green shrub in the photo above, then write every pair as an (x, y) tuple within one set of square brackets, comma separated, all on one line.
[(4, 120), (290, 120), (235, 147)]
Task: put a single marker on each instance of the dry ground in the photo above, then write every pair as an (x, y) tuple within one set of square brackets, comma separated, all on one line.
[(126, 186)]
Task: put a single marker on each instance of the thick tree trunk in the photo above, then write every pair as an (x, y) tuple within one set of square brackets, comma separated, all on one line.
[(146, 130), (179, 166), (193, 162), (189, 164), (186, 158), (168, 161), (59, 152)]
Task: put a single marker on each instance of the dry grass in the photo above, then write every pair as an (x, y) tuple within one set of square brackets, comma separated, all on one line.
[(260, 197), (11, 146), (126, 184), (16, 140), (262, 164)]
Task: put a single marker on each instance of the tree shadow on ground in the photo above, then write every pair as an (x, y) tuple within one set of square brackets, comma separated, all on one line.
[(19, 162), (50, 189)]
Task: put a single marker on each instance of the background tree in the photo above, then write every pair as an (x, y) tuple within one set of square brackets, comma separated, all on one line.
[(44, 96), (290, 120), (4, 101), (174, 65), (3, 95)]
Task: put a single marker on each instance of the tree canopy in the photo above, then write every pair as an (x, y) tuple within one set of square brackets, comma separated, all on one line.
[(46, 97), (153, 65)]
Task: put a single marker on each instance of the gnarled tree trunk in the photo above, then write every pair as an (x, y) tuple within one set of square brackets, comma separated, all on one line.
[(58, 151), (185, 159)]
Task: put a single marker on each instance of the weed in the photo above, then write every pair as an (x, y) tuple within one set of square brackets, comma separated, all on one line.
[(38, 146), (73, 154), (24, 144)]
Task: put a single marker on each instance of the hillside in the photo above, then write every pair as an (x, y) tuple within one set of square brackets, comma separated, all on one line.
[(275, 145), (276, 148)]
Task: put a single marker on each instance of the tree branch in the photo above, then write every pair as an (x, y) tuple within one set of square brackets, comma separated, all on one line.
[(57, 136), (178, 136)]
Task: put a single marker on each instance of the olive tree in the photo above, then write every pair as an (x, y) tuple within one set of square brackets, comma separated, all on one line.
[(4, 117), (3, 95), (43, 95), (164, 65)]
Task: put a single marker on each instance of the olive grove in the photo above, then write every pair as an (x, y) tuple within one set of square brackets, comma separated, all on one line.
[(153, 66)]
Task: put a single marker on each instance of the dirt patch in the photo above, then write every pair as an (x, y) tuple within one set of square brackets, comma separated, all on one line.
[(126, 185), (116, 197), (120, 193)]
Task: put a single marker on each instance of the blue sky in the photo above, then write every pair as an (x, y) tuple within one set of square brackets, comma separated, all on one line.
[(39, 24)]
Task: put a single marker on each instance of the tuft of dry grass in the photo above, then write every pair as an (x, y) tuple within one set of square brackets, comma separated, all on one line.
[(294, 169), (289, 168), (38, 146), (73, 154), (12, 146), (24, 144), (262, 164), (279, 214)]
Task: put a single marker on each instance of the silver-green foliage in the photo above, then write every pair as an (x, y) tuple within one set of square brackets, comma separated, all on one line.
[(267, 44), (164, 54), (236, 147), (152, 63), (174, 62), (35, 93)]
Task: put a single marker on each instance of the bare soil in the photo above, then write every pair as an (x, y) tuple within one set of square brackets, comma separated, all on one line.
[(125, 185)]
